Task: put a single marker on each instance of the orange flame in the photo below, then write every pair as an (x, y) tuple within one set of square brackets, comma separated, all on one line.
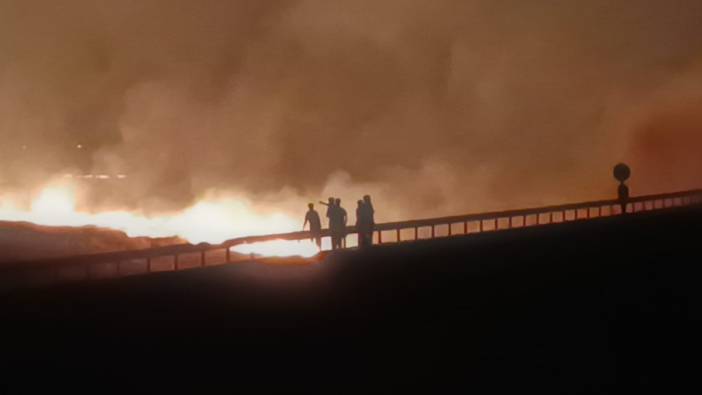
[(212, 221)]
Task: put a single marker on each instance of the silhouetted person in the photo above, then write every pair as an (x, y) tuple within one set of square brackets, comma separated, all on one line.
[(344, 221), (362, 224), (330, 207), (622, 172), (330, 213), (312, 217), (359, 223), (337, 224), (623, 196), (371, 210), (365, 222)]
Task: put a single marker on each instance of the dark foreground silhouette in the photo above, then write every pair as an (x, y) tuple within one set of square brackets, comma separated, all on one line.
[(598, 306)]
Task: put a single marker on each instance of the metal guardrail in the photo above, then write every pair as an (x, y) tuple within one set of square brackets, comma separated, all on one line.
[(187, 256)]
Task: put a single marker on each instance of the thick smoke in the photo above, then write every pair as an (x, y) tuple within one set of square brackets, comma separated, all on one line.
[(434, 107)]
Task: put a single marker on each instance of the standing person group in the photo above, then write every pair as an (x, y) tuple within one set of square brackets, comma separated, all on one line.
[(338, 220)]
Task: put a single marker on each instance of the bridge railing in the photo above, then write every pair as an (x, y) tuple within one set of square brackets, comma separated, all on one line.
[(508, 219), (187, 256)]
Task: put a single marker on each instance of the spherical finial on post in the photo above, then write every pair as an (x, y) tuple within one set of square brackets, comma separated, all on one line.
[(622, 172)]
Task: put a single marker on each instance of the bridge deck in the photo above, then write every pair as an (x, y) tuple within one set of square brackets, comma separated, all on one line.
[(188, 256)]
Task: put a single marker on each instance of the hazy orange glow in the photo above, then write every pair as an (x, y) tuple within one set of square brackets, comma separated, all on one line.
[(279, 248), (211, 221)]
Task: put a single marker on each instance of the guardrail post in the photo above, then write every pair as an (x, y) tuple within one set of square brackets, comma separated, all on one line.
[(228, 255), (380, 237), (148, 265), (433, 232), (416, 235), (481, 226), (398, 235), (450, 231), (465, 227)]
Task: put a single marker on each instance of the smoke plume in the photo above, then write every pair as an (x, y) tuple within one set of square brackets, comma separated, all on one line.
[(433, 107)]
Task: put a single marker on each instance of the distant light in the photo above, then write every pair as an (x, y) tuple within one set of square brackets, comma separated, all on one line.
[(24, 148), (102, 177), (121, 176), (79, 146)]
